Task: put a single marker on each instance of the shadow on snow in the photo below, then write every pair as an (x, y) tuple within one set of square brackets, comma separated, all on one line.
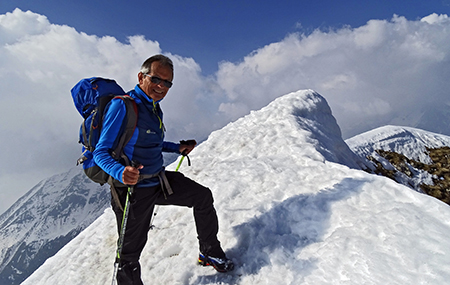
[(277, 237)]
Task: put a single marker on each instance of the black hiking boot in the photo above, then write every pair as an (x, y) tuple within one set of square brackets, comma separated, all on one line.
[(129, 273), (220, 264)]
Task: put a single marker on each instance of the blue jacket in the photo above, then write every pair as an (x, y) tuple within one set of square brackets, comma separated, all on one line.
[(146, 145)]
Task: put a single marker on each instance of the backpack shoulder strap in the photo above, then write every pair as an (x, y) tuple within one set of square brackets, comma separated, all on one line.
[(131, 120)]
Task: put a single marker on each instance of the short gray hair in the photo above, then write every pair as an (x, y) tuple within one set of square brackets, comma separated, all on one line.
[(162, 59)]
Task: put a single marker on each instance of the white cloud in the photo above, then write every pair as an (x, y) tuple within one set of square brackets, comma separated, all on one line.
[(370, 36), (20, 24), (39, 63), (435, 18), (369, 75)]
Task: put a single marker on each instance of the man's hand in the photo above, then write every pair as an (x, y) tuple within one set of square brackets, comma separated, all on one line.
[(130, 175), (187, 146)]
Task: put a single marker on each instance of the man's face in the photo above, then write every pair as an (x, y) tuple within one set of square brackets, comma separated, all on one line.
[(155, 91)]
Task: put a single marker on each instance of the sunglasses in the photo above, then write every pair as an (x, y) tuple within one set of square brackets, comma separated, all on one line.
[(157, 80)]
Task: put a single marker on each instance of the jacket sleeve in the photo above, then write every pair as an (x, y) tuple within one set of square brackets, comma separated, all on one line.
[(112, 123), (171, 147)]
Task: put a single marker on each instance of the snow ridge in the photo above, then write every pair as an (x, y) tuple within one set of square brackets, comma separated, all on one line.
[(293, 207)]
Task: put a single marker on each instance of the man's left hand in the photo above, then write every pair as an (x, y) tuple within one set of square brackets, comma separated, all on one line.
[(186, 148)]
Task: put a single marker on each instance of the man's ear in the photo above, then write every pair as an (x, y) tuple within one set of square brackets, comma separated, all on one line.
[(140, 77)]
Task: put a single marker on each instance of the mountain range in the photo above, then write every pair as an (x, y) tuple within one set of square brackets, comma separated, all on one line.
[(45, 219)]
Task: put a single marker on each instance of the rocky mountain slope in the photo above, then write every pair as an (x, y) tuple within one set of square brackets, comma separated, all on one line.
[(413, 157)]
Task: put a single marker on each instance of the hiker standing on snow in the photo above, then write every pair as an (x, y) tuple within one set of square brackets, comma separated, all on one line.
[(146, 147)]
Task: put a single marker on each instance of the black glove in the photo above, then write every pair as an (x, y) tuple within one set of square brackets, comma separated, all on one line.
[(188, 142)]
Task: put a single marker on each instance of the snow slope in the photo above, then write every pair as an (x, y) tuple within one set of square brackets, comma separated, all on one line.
[(293, 208)]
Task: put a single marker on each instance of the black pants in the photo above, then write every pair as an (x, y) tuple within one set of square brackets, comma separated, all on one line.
[(186, 193)]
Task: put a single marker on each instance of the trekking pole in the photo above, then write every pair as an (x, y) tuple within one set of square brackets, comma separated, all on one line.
[(184, 154), (123, 226), (181, 161)]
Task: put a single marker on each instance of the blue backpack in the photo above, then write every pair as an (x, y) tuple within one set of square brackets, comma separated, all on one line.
[(91, 96)]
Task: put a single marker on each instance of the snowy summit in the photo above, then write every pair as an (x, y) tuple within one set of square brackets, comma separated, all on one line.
[(410, 142), (294, 207)]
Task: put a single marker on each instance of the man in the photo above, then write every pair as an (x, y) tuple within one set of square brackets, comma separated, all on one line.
[(146, 147)]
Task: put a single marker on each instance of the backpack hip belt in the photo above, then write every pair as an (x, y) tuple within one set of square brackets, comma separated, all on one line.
[(163, 181)]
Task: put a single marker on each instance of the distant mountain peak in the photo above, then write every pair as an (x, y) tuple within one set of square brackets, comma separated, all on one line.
[(45, 219), (416, 158)]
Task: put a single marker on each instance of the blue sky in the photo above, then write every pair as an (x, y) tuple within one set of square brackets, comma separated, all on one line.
[(230, 57), (213, 31)]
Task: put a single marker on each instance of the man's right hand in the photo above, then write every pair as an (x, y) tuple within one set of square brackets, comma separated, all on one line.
[(130, 175)]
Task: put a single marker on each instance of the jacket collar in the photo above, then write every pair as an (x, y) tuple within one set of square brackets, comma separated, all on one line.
[(144, 96)]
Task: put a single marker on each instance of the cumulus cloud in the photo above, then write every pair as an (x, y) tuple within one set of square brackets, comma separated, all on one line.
[(370, 75), (435, 18), (39, 63)]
